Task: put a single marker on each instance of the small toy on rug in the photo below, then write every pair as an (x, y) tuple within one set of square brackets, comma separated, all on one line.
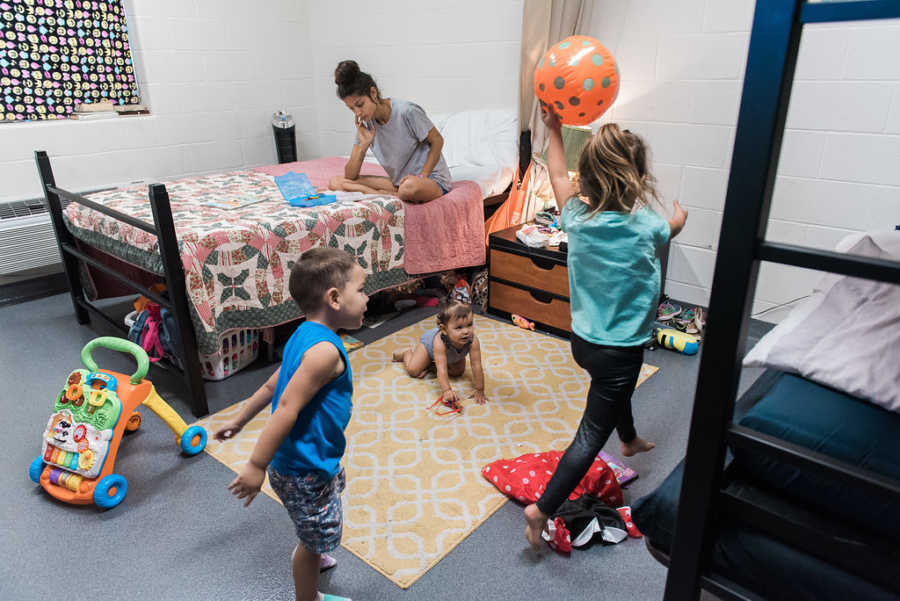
[(351, 343), (452, 404), (522, 322)]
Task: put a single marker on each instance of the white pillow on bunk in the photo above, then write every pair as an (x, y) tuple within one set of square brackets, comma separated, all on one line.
[(847, 334)]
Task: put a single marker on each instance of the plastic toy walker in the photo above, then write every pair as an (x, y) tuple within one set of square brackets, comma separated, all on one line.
[(91, 414)]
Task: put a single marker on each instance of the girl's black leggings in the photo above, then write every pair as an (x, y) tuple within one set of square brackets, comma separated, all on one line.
[(614, 373)]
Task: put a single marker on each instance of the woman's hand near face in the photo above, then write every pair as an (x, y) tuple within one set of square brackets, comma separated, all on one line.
[(366, 134)]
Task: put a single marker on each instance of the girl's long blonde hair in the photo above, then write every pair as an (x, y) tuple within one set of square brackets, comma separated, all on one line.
[(613, 171)]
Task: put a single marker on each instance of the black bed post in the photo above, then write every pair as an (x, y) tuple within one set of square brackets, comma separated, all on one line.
[(171, 258), (774, 41), (70, 263)]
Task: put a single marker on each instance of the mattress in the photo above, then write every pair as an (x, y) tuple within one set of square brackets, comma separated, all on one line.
[(766, 566), (237, 261), (819, 418), (835, 424)]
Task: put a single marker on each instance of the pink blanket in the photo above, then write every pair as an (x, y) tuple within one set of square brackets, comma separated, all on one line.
[(319, 171), (446, 233)]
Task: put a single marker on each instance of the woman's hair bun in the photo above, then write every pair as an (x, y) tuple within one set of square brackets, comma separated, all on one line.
[(346, 72)]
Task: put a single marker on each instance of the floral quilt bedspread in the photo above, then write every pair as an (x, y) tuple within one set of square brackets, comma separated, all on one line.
[(237, 261)]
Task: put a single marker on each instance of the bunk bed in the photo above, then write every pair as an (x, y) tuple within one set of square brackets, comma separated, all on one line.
[(793, 490)]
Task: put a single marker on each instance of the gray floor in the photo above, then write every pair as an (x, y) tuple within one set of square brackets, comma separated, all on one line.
[(180, 535)]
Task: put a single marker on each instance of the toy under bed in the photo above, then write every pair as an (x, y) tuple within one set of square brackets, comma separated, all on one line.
[(832, 423), (237, 261)]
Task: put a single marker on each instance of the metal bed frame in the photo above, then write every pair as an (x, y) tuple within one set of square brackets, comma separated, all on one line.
[(774, 41), (163, 228)]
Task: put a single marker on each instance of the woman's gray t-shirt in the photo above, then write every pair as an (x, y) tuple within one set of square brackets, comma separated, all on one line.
[(400, 145)]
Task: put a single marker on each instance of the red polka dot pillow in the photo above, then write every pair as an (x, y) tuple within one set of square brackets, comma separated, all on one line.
[(525, 478)]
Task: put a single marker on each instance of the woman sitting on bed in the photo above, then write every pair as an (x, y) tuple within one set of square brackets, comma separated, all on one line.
[(403, 138)]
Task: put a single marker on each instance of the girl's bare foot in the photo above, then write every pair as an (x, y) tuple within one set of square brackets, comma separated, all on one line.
[(399, 355), (638, 445), (536, 522)]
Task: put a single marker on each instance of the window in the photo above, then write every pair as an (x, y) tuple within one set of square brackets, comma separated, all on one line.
[(57, 54)]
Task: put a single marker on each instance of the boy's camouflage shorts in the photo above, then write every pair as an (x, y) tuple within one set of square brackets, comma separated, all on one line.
[(314, 504)]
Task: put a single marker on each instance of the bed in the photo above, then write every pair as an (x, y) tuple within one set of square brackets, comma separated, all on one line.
[(862, 526), (227, 268), (792, 491), (830, 392)]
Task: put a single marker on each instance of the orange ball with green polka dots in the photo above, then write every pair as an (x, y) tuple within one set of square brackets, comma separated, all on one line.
[(579, 78)]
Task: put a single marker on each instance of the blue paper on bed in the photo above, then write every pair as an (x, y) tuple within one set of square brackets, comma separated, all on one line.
[(299, 191)]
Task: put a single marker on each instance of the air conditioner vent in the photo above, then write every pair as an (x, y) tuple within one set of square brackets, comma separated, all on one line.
[(22, 208), (26, 236)]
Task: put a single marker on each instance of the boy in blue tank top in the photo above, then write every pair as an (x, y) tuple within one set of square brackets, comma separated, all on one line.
[(303, 442)]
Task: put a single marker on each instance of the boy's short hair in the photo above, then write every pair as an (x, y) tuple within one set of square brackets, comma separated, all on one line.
[(318, 270), (450, 307)]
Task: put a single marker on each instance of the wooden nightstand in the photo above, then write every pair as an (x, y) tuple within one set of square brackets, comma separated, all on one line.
[(532, 282)]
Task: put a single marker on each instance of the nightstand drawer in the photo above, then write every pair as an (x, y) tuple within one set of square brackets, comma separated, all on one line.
[(533, 272), (532, 305)]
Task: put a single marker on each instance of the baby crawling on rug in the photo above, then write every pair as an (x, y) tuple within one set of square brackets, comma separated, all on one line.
[(446, 347)]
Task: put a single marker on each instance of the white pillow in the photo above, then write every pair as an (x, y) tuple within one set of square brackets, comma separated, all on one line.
[(847, 334), (482, 137)]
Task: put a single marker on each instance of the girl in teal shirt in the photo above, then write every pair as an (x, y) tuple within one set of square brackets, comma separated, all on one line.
[(614, 285)]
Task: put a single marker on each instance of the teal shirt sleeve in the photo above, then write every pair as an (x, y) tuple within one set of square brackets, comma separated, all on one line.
[(659, 227), (663, 231), (571, 210)]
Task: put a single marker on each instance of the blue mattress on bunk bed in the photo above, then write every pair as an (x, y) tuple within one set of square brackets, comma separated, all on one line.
[(835, 424), (820, 418)]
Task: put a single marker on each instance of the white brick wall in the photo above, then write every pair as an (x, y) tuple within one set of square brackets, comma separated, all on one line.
[(682, 67), (212, 71), (443, 56)]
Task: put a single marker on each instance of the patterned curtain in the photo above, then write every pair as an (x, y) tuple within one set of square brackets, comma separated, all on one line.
[(56, 54)]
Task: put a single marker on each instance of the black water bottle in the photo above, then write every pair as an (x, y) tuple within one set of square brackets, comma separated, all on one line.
[(285, 140)]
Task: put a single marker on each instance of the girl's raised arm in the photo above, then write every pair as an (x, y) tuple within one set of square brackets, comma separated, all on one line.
[(556, 158)]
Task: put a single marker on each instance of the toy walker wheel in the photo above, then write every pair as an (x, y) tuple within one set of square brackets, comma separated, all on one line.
[(133, 423), (193, 440), (110, 491), (36, 469)]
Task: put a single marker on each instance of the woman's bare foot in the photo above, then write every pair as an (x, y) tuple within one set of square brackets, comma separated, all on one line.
[(399, 355), (536, 522), (638, 445)]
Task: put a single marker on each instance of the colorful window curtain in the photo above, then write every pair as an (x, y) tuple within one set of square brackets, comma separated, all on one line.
[(56, 54)]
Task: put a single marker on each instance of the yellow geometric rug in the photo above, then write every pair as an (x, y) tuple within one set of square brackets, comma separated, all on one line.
[(414, 485)]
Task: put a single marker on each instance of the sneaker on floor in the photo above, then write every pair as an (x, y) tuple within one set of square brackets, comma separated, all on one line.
[(326, 562), (684, 321), (667, 311), (700, 320), (327, 597)]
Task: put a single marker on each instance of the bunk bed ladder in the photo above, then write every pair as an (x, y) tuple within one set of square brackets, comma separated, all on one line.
[(774, 42)]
